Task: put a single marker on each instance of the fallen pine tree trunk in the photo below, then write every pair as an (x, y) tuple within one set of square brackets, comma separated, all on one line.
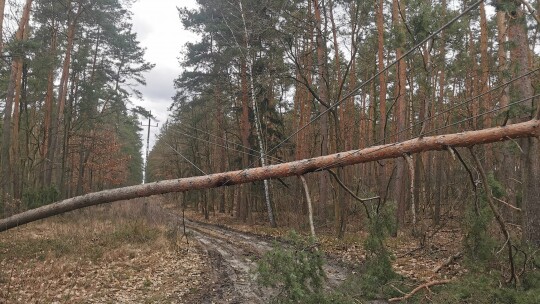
[(295, 168)]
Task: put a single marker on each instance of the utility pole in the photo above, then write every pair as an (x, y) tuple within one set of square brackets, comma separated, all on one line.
[(149, 125)]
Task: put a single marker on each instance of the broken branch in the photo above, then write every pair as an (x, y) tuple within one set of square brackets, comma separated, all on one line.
[(448, 261), (417, 289)]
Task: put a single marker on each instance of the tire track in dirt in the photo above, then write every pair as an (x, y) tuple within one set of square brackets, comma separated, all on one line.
[(235, 254)]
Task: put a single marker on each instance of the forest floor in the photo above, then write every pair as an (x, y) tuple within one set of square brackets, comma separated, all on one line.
[(416, 258), (434, 257), (126, 252), (137, 252)]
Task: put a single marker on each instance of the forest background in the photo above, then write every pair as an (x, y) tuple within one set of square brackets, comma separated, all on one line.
[(274, 81)]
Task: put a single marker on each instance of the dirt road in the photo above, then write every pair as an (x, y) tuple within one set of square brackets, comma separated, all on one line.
[(233, 256)]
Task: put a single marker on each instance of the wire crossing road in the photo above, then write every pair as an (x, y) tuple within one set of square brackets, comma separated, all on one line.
[(295, 168)]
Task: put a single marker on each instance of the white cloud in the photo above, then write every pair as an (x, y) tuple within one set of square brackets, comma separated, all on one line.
[(160, 31)]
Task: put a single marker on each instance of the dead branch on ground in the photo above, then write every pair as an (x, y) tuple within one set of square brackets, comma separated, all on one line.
[(448, 261), (417, 289)]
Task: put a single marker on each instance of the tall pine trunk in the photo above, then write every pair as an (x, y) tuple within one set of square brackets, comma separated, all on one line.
[(324, 186), (2, 9), (258, 126), (5, 158), (530, 158), (400, 190), (62, 96), (243, 206)]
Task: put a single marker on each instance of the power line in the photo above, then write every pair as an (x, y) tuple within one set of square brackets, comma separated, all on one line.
[(149, 126), (233, 143), (433, 131), (485, 113), (374, 76), (223, 146), (455, 106), (469, 100), (355, 90), (185, 158)]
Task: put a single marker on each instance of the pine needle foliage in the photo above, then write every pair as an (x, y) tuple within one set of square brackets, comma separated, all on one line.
[(296, 271)]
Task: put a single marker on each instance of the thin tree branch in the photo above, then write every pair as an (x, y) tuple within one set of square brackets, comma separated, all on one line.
[(310, 207), (532, 11), (498, 216), (507, 204), (471, 177), (361, 200)]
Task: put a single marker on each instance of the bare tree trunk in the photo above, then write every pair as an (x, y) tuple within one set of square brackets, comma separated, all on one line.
[(62, 96), (296, 168), (504, 155), (243, 207), (222, 161), (380, 62), (530, 158), (324, 186), (48, 110), (437, 163), (381, 170), (400, 194), (471, 84), (258, 127), (341, 202), (410, 164), (6, 168), (310, 208), (2, 9), (15, 153)]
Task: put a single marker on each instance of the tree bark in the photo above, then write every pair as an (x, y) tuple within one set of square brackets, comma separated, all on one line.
[(323, 94), (400, 193), (62, 95), (410, 165), (296, 168), (382, 76), (310, 207), (258, 126), (2, 9), (243, 207), (530, 158), (381, 170), (6, 168), (438, 122), (15, 153), (484, 79), (48, 109)]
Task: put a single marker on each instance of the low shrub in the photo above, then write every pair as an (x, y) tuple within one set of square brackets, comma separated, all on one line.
[(297, 272), (33, 198)]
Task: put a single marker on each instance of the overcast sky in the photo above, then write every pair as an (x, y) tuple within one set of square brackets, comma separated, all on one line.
[(160, 31)]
